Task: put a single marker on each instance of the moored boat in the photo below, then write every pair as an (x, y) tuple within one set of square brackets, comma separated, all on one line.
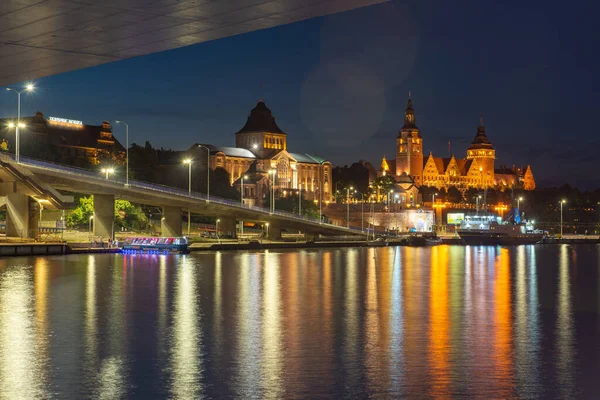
[(427, 239), (379, 242), (155, 245), (488, 230), (433, 240)]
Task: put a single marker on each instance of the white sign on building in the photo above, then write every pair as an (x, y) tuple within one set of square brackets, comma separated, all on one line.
[(65, 121)]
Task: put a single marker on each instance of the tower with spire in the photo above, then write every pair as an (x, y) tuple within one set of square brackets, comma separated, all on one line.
[(409, 156), (482, 155)]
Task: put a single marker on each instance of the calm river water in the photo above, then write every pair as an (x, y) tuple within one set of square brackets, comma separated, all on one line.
[(477, 322)]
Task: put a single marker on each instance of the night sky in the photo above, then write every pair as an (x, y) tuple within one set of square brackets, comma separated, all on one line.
[(338, 85)]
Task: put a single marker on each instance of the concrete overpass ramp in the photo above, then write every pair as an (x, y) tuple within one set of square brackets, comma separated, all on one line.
[(46, 37), (173, 202)]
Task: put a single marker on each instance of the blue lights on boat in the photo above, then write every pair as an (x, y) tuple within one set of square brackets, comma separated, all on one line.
[(146, 252)]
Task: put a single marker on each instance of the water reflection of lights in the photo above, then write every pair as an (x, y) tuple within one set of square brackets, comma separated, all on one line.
[(249, 333), (272, 361), (218, 303), (162, 316), (526, 324), (20, 367), (372, 323), (113, 370), (352, 322), (186, 365), (502, 323), (396, 325), (564, 326), (91, 323), (439, 322), (41, 283)]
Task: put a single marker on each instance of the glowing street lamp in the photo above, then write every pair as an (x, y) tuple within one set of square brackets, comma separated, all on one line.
[(18, 125), (300, 199), (563, 201), (348, 206), (362, 210), (519, 200), (189, 162), (207, 171), (267, 225), (242, 178), (107, 171), (242, 200), (126, 152), (274, 173)]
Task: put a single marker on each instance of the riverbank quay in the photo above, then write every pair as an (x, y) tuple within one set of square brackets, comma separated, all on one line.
[(12, 249)]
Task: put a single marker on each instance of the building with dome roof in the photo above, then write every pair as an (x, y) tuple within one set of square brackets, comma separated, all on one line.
[(261, 154), (476, 170)]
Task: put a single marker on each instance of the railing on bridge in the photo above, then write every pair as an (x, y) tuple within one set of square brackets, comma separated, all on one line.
[(75, 171)]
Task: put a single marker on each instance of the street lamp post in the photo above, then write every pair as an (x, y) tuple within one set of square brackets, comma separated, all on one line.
[(267, 225), (477, 204), (362, 210), (519, 200), (217, 230), (242, 200), (561, 216), (274, 173), (189, 161), (207, 171), (107, 171), (300, 199), (90, 226), (321, 173), (18, 125), (348, 206), (126, 152)]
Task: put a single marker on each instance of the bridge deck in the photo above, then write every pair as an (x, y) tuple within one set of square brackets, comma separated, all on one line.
[(79, 180)]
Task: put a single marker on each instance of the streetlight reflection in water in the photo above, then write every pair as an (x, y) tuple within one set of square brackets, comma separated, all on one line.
[(441, 321)]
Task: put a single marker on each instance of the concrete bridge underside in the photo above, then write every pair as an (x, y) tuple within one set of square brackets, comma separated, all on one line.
[(47, 37)]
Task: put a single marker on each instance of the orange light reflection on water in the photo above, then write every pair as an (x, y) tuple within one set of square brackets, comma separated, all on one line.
[(502, 323), (439, 323)]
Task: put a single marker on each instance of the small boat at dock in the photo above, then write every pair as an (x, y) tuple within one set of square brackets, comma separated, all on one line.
[(155, 245)]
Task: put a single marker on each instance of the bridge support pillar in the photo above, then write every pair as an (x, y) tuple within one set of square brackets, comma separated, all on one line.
[(310, 236), (104, 215), (227, 227), (17, 215), (34, 218), (170, 225), (274, 231)]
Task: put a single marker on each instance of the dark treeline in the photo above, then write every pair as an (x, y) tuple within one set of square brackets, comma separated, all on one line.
[(166, 167)]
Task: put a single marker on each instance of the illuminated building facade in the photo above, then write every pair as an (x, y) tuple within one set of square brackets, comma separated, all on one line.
[(65, 140), (261, 153), (476, 170)]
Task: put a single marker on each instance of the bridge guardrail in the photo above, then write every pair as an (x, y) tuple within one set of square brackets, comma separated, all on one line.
[(171, 190)]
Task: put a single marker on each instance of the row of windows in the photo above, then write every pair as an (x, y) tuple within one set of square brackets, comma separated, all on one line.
[(274, 142), (481, 153)]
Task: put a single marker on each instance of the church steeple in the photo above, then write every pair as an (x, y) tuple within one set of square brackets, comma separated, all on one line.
[(409, 115), (409, 157)]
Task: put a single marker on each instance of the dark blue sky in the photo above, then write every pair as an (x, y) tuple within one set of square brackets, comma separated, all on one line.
[(338, 85)]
